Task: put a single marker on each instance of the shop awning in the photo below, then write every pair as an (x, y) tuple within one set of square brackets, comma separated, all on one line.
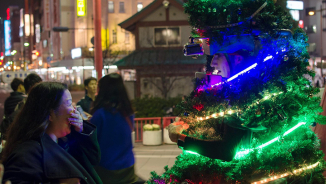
[(73, 62), (158, 57)]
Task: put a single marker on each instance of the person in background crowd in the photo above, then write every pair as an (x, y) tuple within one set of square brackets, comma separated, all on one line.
[(29, 82), (15, 97), (90, 90), (49, 142), (113, 115)]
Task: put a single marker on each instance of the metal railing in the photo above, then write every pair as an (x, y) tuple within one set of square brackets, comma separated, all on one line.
[(140, 122)]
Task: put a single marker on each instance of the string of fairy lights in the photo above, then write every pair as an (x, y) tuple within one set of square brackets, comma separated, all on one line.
[(230, 111), (286, 174), (274, 177)]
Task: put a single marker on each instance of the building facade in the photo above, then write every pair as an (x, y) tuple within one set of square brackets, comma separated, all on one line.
[(161, 29), (315, 27), (68, 56)]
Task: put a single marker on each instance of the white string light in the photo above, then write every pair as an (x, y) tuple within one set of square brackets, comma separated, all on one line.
[(284, 175), (230, 111)]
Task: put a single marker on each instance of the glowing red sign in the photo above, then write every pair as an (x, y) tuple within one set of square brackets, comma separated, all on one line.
[(8, 13), (301, 24)]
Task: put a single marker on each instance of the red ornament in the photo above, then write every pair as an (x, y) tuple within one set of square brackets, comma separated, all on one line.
[(198, 107)]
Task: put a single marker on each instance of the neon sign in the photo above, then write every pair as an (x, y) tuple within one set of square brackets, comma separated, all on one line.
[(7, 31), (81, 8)]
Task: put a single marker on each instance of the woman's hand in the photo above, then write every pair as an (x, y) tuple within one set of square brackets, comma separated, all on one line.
[(175, 130), (76, 120), (2, 169)]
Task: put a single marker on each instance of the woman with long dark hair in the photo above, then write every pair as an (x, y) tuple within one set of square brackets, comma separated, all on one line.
[(49, 142), (113, 115)]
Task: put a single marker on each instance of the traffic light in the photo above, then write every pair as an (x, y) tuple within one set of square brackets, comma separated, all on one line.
[(37, 53)]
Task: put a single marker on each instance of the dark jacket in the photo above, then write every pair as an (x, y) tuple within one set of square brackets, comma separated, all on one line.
[(85, 103), (12, 101), (44, 161)]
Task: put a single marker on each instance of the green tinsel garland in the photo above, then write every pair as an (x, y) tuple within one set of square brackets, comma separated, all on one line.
[(293, 103)]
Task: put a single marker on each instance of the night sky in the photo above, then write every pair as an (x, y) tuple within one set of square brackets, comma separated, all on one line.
[(4, 4)]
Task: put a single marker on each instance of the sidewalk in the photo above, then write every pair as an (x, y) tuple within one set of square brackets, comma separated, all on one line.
[(154, 158)]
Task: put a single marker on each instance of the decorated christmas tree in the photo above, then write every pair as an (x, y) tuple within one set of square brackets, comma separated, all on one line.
[(250, 114)]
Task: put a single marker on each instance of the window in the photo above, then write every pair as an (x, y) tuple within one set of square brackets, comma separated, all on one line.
[(127, 37), (111, 7), (311, 29), (139, 7), (167, 36), (114, 36), (122, 7)]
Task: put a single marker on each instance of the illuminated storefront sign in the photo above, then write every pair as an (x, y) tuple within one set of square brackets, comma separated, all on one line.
[(301, 24), (81, 8), (294, 5), (76, 53), (7, 31), (37, 33)]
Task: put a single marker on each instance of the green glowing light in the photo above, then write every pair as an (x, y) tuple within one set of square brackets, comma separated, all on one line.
[(191, 152), (241, 154), (26, 44), (292, 129)]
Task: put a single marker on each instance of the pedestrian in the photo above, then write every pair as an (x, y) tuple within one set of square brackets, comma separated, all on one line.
[(113, 115), (29, 82), (17, 85), (90, 92), (49, 142)]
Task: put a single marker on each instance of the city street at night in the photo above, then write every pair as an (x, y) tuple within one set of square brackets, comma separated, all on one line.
[(219, 91)]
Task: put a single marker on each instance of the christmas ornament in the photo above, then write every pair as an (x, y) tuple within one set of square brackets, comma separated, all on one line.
[(198, 107), (286, 58), (258, 113)]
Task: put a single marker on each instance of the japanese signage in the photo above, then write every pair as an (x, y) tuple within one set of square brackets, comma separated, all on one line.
[(37, 33), (81, 8), (47, 15), (7, 30), (76, 53)]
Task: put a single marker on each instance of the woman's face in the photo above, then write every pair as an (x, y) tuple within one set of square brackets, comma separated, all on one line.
[(59, 123)]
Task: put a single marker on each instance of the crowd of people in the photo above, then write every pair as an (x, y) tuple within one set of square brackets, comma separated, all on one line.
[(46, 139)]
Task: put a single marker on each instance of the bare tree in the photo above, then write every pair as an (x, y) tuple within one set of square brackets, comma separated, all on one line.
[(165, 84), (163, 75)]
